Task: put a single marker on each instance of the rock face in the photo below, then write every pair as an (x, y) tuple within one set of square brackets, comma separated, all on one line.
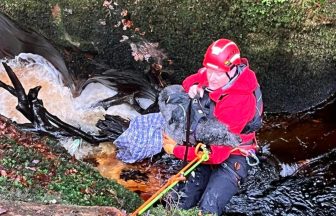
[(290, 45)]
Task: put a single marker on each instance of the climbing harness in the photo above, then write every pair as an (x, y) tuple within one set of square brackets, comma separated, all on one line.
[(202, 156)]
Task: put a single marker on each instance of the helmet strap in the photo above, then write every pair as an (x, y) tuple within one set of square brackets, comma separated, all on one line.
[(235, 74), (228, 76)]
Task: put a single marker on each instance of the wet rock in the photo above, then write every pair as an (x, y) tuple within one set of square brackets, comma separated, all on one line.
[(290, 45)]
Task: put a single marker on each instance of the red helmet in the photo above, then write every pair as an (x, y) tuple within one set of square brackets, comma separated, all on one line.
[(222, 55)]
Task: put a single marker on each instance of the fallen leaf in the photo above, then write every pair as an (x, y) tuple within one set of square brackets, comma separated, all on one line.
[(2, 211), (35, 161), (70, 171), (87, 190), (22, 180), (31, 168), (124, 13), (56, 11), (3, 173), (42, 178), (126, 23), (108, 4)]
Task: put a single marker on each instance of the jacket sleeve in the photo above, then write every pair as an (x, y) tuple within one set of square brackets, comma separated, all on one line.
[(218, 154), (194, 79)]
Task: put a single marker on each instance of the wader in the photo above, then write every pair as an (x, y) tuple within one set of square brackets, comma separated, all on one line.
[(212, 186)]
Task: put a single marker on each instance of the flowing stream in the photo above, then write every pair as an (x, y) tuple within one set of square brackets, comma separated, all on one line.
[(296, 175)]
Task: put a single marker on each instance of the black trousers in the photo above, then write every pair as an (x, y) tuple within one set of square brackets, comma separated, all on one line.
[(212, 186)]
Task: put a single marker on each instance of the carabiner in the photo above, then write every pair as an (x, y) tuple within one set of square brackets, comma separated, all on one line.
[(255, 158)]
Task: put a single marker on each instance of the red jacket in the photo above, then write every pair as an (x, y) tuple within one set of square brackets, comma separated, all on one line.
[(235, 107)]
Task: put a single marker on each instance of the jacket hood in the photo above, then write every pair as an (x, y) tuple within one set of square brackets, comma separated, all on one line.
[(245, 83)]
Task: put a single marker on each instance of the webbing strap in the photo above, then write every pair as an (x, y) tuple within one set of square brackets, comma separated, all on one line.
[(258, 95), (187, 132)]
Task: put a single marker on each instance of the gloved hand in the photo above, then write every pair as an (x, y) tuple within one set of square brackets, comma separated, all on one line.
[(195, 90), (168, 144)]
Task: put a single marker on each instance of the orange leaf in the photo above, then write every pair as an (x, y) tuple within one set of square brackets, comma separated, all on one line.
[(3, 173)]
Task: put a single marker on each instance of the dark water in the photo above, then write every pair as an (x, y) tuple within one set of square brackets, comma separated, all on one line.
[(298, 174), (310, 191), (302, 136)]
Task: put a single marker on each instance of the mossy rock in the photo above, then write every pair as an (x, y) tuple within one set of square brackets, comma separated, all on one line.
[(50, 176), (290, 44)]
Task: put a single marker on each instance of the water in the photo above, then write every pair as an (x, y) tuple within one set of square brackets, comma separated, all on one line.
[(33, 70), (296, 175), (310, 191)]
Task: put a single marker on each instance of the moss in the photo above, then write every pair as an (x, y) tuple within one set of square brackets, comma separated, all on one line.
[(31, 176), (287, 42)]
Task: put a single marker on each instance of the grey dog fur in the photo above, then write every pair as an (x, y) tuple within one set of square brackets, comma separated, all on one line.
[(208, 131)]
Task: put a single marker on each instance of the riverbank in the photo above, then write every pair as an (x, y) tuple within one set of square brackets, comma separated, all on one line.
[(38, 177), (38, 170)]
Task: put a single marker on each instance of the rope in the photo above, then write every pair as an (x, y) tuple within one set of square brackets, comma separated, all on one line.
[(202, 155)]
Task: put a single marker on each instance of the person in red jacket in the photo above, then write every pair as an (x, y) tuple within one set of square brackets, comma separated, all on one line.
[(233, 88)]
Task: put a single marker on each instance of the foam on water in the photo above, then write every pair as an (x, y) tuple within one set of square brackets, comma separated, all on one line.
[(33, 70)]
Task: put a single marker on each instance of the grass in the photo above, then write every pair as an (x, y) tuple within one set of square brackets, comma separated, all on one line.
[(31, 174)]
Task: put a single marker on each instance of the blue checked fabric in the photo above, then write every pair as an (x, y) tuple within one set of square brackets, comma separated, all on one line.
[(143, 138)]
